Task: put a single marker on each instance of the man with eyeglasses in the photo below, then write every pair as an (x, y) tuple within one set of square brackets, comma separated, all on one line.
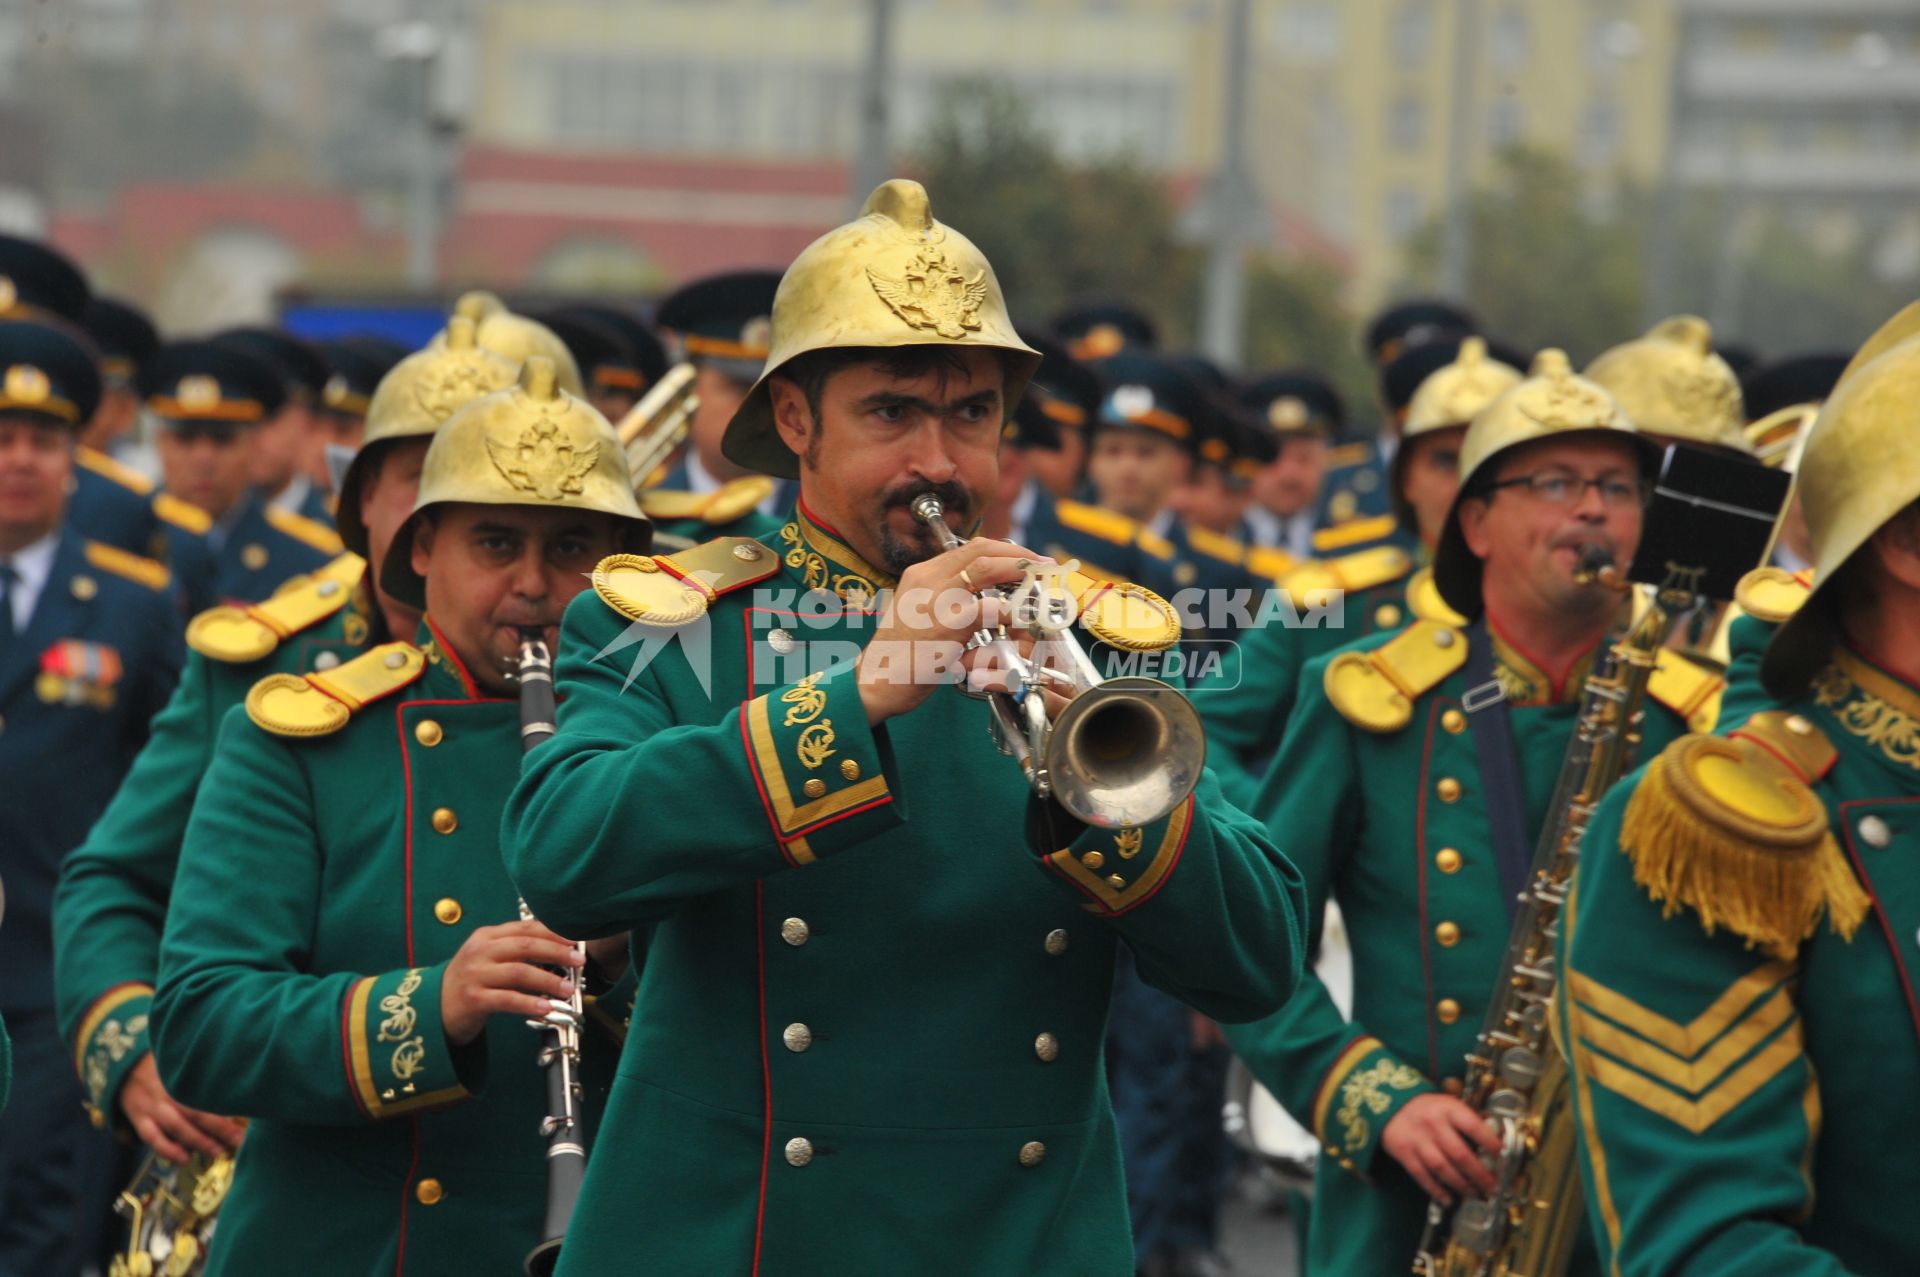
[(1411, 784)]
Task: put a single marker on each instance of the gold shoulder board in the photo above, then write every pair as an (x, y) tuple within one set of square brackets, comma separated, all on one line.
[(1365, 569), (305, 530), (1375, 689), (1115, 529), (1348, 454), (1213, 544), (181, 514), (1424, 601), (1269, 562), (1154, 544), (294, 705), (238, 634), (132, 567), (1342, 536), (1730, 829), (113, 469), (673, 589), (738, 498), (1689, 689), (1772, 594), (1124, 615)]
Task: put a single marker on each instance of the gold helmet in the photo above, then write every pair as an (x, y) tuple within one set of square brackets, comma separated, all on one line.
[(1859, 468), (891, 277), (413, 400), (531, 444), (513, 337), (1551, 402), (1673, 385), (1450, 396)]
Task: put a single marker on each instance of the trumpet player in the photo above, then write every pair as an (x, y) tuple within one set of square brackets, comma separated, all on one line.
[(344, 962), (869, 1028), (1412, 782)]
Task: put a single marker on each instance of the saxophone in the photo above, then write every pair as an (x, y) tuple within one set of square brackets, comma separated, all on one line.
[(171, 1209), (1516, 1078)]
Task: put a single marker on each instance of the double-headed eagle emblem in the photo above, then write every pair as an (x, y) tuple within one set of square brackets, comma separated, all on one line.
[(934, 293), (544, 461)]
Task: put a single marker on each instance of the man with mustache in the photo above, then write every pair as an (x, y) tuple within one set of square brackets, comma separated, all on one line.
[(344, 961), (1412, 782), (869, 1030)]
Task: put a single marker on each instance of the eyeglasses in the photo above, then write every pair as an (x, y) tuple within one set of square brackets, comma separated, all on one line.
[(1564, 488)]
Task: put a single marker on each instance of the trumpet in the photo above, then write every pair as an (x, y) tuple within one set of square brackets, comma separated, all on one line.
[(658, 424), (1124, 751)]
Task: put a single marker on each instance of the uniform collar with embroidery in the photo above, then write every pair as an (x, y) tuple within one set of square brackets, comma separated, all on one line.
[(446, 676), (825, 561), (1871, 705), (1525, 683)]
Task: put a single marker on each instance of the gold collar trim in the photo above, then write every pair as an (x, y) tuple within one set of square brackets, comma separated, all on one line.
[(827, 563), (1873, 705), (1527, 684)]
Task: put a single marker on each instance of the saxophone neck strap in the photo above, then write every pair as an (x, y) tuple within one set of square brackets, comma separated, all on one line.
[(1499, 765)]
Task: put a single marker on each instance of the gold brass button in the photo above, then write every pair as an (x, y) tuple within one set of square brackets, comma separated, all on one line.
[(1093, 860), (1798, 725), (799, 1151), (254, 557), (1454, 721), (780, 641), (325, 661), (444, 821), (798, 1037), (447, 909), (1056, 942), (1447, 860), (429, 1191), (1446, 1011), (1875, 832), (395, 660), (428, 732), (84, 587), (1047, 1047), (746, 552), (1032, 1153), (1448, 789), (849, 769), (815, 788), (1116, 881), (1386, 616), (1448, 934), (795, 932)]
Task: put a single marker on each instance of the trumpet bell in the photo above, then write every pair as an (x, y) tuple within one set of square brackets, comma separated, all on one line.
[(1126, 752)]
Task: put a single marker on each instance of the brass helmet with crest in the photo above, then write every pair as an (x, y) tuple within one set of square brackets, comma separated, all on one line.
[(513, 337), (1448, 398), (1673, 385), (531, 444), (414, 400), (1859, 469), (891, 277), (1551, 403)]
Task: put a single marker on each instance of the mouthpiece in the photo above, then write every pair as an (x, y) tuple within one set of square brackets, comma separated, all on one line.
[(1597, 567), (927, 507)]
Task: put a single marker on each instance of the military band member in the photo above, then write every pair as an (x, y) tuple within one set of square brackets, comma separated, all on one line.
[(1067, 394), (1304, 413), (1737, 997), (616, 385), (870, 1002), (1099, 330), (207, 399), (89, 649), (284, 438), (342, 961), (1414, 775), (114, 890), (355, 366), (605, 356), (722, 323), (125, 338)]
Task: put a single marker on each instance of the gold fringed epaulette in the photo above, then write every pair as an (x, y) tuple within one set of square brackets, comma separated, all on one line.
[(1772, 594), (296, 705), (128, 566), (675, 589), (1375, 689), (1731, 829), (1124, 615), (236, 634), (1689, 689)]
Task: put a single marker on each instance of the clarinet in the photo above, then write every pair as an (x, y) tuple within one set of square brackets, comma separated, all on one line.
[(560, 1028)]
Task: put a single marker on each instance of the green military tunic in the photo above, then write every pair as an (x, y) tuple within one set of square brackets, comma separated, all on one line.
[(112, 899), (1376, 793), (1740, 956), (317, 904), (869, 1031)]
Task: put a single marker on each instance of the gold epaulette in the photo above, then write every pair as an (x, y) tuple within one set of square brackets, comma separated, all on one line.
[(1348, 454), (1215, 546), (1124, 615), (1269, 562), (181, 514), (113, 470), (307, 531), (1424, 601), (730, 501), (237, 634), (1343, 536), (672, 503), (1689, 689), (1358, 571), (122, 563), (673, 589), (1375, 689), (1114, 529), (1772, 594), (301, 705), (1731, 829)]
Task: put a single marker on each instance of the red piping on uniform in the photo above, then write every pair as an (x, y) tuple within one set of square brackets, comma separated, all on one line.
[(1186, 832), (1886, 924), (1420, 871), (839, 816), (453, 659), (753, 770), (1784, 761), (766, 1070), (800, 503), (1557, 682)]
